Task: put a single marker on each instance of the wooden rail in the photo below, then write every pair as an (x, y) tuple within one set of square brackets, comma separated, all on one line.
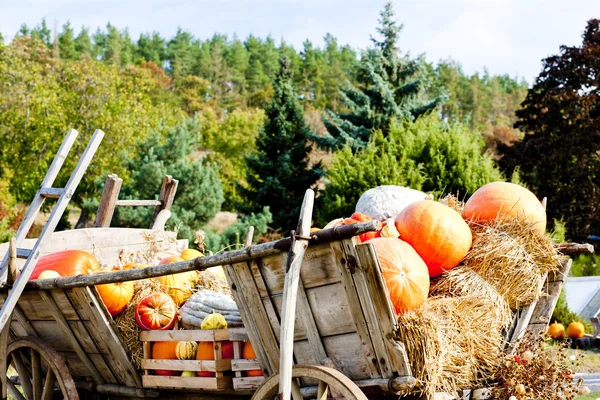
[(200, 264)]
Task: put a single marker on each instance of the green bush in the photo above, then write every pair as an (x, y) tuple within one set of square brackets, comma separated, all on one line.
[(427, 155)]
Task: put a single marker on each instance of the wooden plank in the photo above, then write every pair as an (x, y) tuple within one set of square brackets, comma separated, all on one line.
[(79, 370), (108, 201), (265, 338), (237, 355), (344, 264), (103, 329), (66, 330), (188, 365), (57, 212), (50, 331), (272, 308), (346, 353), (239, 364), (195, 335), (166, 196), (370, 314), (187, 382), (33, 308), (524, 319), (248, 383), (318, 269), (544, 308), (290, 294), (378, 297)]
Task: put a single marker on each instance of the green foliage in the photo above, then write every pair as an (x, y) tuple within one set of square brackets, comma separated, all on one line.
[(559, 232), (199, 193), (586, 265), (10, 215), (229, 141), (41, 98), (426, 155), (234, 235), (388, 87), (559, 156), (279, 173)]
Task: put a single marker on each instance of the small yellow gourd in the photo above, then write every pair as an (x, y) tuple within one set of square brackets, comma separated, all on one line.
[(186, 350), (214, 321)]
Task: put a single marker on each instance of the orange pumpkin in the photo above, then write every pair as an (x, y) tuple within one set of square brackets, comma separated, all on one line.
[(405, 274), (556, 331), (116, 296), (156, 311), (190, 254), (438, 233), (206, 351), (575, 330), (165, 351), (248, 353), (67, 263), (503, 198), (359, 217)]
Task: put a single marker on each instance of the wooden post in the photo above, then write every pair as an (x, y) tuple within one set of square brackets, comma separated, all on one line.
[(12, 261), (290, 293), (108, 201), (249, 236), (166, 197)]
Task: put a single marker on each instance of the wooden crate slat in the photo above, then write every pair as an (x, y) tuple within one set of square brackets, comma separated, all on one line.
[(188, 365), (369, 355), (186, 382), (103, 329), (240, 364), (378, 301), (248, 383)]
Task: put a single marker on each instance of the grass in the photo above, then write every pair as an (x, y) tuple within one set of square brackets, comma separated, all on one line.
[(591, 360), (591, 396)]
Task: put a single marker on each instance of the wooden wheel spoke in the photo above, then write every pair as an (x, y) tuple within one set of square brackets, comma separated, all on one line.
[(322, 390), (24, 376), (49, 383), (14, 392), (36, 375)]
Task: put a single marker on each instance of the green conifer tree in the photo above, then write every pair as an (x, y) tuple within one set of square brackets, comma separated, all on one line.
[(280, 172), (66, 43), (83, 42), (388, 86)]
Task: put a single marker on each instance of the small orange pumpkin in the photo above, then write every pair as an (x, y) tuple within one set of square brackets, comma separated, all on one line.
[(248, 353), (497, 199), (438, 233), (165, 351), (116, 296), (575, 330), (206, 351), (156, 311), (556, 330), (405, 274)]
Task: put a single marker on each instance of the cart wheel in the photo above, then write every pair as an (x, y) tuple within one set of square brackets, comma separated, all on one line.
[(39, 368), (331, 381)]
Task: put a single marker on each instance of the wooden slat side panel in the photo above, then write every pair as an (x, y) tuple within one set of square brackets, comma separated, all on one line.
[(104, 332), (34, 308), (78, 369), (366, 346), (378, 298), (318, 268), (50, 331), (188, 382)]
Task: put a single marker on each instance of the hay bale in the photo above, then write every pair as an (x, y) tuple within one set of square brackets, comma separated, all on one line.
[(452, 343), (513, 257)]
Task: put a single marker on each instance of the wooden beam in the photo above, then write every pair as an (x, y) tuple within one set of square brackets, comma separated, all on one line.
[(166, 196), (574, 248), (12, 261), (108, 201), (200, 264)]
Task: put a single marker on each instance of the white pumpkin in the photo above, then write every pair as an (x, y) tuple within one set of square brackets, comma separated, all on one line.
[(385, 202), (203, 303)]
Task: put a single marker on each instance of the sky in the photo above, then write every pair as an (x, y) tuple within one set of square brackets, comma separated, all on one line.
[(505, 36)]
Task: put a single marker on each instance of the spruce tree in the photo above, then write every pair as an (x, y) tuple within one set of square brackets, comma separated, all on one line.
[(388, 87), (83, 42), (280, 172), (66, 43)]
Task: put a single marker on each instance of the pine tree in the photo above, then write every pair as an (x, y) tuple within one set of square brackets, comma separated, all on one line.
[(41, 32), (66, 43), (83, 42), (280, 172), (152, 48), (388, 87)]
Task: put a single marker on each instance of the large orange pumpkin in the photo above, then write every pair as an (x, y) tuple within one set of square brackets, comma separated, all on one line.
[(179, 286), (575, 330), (206, 351), (67, 263), (248, 353), (438, 233), (556, 330), (503, 198), (405, 274), (165, 351), (156, 311), (116, 296)]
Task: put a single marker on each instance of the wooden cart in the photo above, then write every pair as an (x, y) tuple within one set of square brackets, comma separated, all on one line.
[(61, 340)]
